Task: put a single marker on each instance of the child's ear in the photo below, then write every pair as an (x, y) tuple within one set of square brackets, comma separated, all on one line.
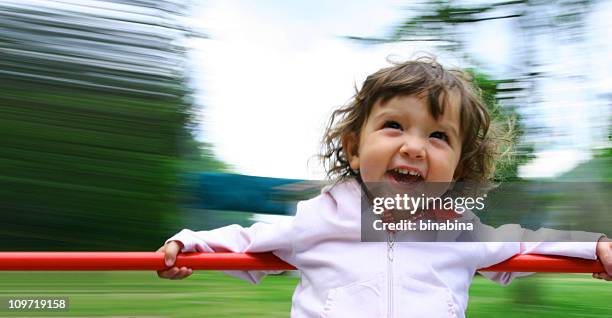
[(350, 144)]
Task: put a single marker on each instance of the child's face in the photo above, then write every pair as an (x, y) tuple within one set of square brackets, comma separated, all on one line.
[(401, 138)]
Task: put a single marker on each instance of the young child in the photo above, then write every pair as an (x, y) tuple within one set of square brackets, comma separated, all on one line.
[(415, 118)]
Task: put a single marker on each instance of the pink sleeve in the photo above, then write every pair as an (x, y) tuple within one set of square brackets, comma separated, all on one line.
[(524, 241), (259, 237)]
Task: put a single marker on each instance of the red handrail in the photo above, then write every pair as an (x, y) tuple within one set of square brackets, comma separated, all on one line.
[(106, 261)]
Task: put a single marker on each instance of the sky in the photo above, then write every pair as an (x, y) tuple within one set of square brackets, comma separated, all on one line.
[(271, 72)]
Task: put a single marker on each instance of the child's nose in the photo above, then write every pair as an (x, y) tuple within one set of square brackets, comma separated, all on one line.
[(413, 147)]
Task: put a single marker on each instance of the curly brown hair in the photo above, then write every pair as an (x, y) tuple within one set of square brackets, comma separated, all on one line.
[(424, 77)]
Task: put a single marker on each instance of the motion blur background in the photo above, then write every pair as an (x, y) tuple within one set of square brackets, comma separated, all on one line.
[(123, 122)]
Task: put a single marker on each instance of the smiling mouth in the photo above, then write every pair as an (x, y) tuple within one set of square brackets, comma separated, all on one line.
[(405, 176)]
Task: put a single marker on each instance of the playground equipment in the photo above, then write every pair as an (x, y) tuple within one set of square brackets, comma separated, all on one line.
[(108, 261)]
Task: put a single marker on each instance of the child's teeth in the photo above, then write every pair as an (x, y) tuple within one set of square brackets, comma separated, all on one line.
[(406, 171)]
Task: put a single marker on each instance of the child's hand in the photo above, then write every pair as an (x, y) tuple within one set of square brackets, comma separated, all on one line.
[(604, 253), (170, 250)]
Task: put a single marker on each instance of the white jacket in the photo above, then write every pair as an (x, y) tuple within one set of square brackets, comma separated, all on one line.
[(344, 277)]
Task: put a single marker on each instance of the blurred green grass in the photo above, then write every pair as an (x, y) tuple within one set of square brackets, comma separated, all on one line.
[(213, 294)]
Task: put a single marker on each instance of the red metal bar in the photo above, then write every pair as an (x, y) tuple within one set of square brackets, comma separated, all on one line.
[(106, 261), (546, 263)]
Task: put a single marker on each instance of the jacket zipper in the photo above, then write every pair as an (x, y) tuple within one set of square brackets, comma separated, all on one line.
[(390, 245)]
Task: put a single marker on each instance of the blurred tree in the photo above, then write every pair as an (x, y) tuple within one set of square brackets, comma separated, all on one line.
[(95, 117), (443, 23), (598, 169), (508, 125), (199, 157)]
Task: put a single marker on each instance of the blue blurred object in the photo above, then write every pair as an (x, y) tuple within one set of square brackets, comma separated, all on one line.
[(235, 192)]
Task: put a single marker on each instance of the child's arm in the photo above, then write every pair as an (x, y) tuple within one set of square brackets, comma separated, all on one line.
[(260, 237), (508, 240)]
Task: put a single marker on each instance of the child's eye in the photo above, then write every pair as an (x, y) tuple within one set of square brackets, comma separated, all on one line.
[(392, 124), (439, 135)]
